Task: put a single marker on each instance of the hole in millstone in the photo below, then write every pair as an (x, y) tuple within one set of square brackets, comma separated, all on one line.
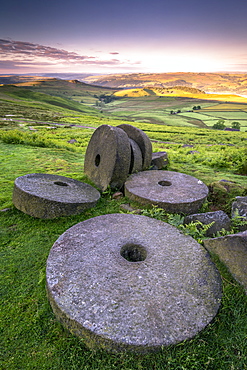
[(133, 252), (97, 160), (164, 183), (60, 183)]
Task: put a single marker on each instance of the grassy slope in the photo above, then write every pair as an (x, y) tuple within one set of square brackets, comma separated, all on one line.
[(31, 337)]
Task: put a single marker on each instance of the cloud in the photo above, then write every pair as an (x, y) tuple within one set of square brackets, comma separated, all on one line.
[(114, 53), (19, 52)]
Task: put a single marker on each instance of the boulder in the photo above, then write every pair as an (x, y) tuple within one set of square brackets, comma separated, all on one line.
[(232, 251), (220, 219)]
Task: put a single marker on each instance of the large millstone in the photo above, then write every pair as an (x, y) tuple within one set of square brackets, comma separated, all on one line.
[(142, 141), (49, 196), (129, 282), (173, 191), (108, 157)]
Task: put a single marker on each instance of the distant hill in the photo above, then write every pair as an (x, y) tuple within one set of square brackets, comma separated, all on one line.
[(223, 83), (70, 89)]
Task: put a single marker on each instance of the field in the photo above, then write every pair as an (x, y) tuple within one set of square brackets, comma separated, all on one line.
[(46, 134)]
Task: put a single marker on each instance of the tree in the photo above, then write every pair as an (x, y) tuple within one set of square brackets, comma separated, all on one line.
[(236, 125), (220, 125)]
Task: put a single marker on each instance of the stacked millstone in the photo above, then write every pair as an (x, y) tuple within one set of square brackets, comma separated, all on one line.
[(115, 152)]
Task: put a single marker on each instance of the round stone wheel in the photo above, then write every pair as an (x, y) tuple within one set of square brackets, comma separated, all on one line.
[(142, 141), (108, 157), (136, 157), (173, 191), (129, 282), (50, 196)]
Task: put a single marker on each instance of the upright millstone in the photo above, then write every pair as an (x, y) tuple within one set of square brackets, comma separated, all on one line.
[(136, 157), (50, 196), (142, 141), (108, 157)]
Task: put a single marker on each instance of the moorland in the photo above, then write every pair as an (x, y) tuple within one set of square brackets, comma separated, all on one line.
[(45, 126)]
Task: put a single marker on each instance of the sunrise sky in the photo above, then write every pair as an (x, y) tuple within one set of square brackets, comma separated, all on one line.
[(116, 36)]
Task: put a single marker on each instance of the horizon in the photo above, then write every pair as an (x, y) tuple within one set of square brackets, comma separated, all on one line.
[(118, 38)]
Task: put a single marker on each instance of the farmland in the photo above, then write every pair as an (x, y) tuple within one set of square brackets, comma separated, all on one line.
[(42, 133)]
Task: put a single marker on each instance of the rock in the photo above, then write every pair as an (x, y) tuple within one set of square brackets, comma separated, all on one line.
[(220, 219), (117, 195), (136, 157), (223, 192), (107, 158), (129, 282), (173, 191), (159, 160), (232, 251), (239, 209), (142, 141), (127, 207), (72, 141), (50, 196)]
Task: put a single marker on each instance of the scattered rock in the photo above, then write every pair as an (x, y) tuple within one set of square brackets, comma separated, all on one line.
[(159, 160), (223, 192), (127, 282), (5, 209), (117, 195), (127, 207), (72, 141), (220, 219), (239, 208), (232, 251)]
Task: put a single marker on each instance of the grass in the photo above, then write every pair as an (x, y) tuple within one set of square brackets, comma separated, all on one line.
[(31, 337)]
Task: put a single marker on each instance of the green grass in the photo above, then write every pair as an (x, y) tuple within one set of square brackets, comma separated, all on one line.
[(31, 337)]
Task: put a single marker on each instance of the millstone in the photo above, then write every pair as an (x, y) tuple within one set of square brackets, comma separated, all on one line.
[(136, 157), (129, 282), (49, 196), (173, 191), (107, 158), (143, 142)]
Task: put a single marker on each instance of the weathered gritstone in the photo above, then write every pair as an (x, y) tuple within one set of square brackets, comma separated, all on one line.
[(136, 157), (173, 191), (108, 157), (142, 141), (50, 196), (129, 282)]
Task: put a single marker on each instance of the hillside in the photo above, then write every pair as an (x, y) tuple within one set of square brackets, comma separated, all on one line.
[(208, 82), (69, 89)]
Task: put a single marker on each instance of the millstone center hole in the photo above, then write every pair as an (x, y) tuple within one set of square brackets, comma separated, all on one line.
[(164, 183), (60, 183), (133, 252), (97, 160)]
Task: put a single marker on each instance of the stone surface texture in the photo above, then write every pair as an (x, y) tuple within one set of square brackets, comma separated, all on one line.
[(142, 141), (107, 158), (232, 251), (136, 157), (220, 219), (173, 191), (159, 160), (130, 282), (50, 196), (239, 208)]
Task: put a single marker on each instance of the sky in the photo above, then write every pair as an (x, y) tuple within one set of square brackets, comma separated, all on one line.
[(116, 36)]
